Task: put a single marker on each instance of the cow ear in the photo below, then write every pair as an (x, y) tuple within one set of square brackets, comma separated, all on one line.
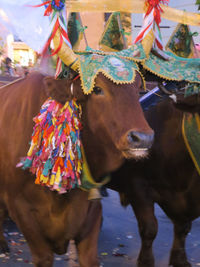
[(58, 90)]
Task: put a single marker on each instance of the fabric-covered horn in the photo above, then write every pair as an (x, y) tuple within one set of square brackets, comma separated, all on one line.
[(147, 42), (65, 53)]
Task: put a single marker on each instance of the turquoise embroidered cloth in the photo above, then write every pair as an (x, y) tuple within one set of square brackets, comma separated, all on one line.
[(177, 68), (117, 69), (120, 66)]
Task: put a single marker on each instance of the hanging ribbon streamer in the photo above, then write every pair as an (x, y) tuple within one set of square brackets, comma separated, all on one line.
[(57, 10), (55, 151), (152, 21)]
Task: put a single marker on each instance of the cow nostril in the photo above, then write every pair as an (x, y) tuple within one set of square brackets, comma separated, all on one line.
[(132, 137), (140, 140)]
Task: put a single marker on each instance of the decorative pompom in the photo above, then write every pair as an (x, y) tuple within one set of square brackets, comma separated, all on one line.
[(58, 5), (55, 151)]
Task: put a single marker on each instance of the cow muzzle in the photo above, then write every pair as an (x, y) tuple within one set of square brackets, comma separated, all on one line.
[(136, 145)]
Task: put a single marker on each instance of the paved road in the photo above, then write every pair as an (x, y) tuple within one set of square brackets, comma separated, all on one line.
[(119, 241)]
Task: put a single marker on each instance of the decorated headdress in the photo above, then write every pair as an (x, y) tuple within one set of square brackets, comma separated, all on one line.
[(181, 42), (75, 30), (113, 38)]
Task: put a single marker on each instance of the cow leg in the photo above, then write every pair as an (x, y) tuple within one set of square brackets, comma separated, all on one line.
[(3, 244), (87, 243), (178, 257), (148, 227), (41, 252)]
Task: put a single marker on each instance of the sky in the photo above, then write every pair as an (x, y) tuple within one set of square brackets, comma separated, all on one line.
[(187, 5)]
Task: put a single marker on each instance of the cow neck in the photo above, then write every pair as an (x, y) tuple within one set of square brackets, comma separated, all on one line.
[(102, 158)]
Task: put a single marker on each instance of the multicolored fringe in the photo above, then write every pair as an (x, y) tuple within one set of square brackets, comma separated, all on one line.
[(55, 151)]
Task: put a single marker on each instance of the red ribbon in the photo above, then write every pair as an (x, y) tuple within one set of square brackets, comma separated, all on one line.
[(56, 26), (57, 2), (76, 77), (157, 9), (48, 10), (65, 35), (43, 4)]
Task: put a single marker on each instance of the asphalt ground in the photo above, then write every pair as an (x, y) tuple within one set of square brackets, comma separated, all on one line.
[(119, 241)]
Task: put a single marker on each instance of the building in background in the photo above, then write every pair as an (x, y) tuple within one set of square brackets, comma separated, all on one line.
[(23, 54), (19, 52)]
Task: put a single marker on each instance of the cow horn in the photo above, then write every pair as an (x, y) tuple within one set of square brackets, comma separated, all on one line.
[(173, 97), (65, 53), (147, 42)]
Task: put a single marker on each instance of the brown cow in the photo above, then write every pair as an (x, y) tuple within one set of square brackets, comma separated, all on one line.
[(113, 127), (167, 177), (2, 83)]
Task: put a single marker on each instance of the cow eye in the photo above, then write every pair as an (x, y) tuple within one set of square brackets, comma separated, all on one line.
[(98, 91)]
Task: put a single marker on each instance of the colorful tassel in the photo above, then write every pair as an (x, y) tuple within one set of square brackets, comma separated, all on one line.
[(55, 151)]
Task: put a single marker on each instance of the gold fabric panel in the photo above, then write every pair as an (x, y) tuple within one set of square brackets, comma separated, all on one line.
[(131, 6)]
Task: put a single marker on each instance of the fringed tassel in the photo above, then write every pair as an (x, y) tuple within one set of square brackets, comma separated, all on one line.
[(55, 151)]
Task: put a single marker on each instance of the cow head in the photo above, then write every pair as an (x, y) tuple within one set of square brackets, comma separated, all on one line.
[(113, 121), (114, 112)]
